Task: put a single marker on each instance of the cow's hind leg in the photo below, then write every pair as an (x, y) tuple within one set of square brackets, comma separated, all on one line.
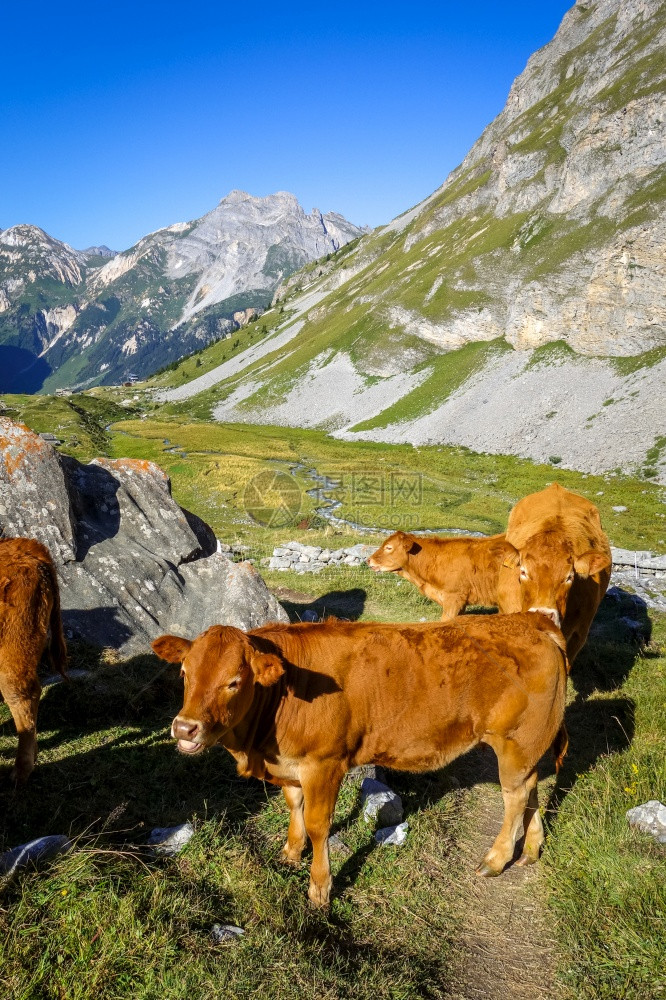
[(23, 701), (320, 792), (517, 780), (534, 835), (293, 849)]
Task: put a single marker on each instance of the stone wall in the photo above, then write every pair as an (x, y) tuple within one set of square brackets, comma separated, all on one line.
[(313, 558)]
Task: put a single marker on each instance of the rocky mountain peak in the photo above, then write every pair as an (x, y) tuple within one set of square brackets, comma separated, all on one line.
[(228, 261)]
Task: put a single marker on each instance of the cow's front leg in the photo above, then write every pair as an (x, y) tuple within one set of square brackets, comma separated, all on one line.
[(320, 791), (518, 782), (292, 850), (451, 605), (23, 701)]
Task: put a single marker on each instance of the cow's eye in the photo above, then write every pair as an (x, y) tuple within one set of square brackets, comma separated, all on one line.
[(182, 671), (232, 685), (389, 548), (570, 578), (523, 573)]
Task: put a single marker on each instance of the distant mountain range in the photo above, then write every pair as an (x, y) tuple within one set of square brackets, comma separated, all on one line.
[(83, 318)]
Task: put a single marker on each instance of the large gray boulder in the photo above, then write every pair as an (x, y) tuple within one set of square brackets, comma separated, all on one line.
[(132, 564)]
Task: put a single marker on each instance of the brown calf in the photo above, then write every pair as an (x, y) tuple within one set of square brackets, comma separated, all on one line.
[(560, 562), (298, 705), (30, 625), (454, 572)]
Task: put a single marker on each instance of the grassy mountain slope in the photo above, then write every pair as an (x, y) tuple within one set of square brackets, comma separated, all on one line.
[(551, 231)]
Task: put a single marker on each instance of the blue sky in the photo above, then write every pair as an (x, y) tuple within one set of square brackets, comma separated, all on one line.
[(116, 119)]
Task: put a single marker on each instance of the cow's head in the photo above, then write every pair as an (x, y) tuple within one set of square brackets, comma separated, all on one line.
[(392, 555), (547, 570), (220, 668)]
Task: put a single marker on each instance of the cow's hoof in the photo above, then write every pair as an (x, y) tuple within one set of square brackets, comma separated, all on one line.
[(319, 896), (526, 859), (486, 871), (290, 858), (19, 775)]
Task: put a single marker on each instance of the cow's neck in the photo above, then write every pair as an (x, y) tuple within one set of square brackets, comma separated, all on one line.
[(248, 741), (410, 571)]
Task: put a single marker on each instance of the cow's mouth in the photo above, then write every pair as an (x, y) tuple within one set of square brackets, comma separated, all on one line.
[(187, 746)]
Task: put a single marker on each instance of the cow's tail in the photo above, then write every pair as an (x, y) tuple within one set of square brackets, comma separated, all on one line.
[(57, 648), (560, 746)]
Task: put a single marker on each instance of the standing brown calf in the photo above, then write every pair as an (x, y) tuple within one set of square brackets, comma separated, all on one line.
[(559, 561), (30, 624), (298, 705), (454, 572)]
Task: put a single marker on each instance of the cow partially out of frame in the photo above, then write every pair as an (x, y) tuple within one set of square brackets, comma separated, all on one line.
[(30, 625)]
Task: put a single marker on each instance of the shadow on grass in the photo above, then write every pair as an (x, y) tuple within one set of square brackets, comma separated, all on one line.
[(344, 604), (117, 769)]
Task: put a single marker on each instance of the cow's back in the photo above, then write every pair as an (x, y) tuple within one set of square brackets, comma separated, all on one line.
[(574, 514), (389, 694), (457, 571)]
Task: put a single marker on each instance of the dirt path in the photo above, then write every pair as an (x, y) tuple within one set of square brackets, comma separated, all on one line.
[(506, 949)]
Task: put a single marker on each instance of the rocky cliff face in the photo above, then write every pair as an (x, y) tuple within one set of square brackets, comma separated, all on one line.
[(131, 563), (72, 317), (540, 255), (553, 226)]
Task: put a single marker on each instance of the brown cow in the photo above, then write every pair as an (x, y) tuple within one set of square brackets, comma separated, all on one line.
[(30, 625), (298, 705), (561, 561), (454, 572)]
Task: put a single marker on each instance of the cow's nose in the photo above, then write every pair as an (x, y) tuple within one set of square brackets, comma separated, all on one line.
[(551, 613), (185, 729)]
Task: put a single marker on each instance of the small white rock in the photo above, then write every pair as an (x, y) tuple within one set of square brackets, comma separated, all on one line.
[(381, 805), (650, 817), (34, 851), (226, 933), (170, 839), (393, 834)]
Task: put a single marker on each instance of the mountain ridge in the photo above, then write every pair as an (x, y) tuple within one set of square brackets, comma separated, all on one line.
[(90, 315)]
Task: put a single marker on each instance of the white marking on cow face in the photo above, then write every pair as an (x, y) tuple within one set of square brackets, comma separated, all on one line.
[(551, 613)]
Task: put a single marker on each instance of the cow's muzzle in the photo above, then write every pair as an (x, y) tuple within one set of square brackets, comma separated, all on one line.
[(186, 732), (551, 613)]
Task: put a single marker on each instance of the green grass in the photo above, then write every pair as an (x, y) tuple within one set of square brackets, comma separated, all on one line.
[(451, 487), (79, 421), (606, 881), (112, 921)]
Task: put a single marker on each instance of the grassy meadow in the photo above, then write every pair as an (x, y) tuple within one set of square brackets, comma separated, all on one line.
[(110, 920)]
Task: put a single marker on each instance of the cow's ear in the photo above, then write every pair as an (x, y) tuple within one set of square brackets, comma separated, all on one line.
[(511, 557), (266, 667), (171, 648), (412, 546), (591, 562)]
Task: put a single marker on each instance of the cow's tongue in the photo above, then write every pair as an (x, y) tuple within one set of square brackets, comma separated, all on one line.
[(188, 747)]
